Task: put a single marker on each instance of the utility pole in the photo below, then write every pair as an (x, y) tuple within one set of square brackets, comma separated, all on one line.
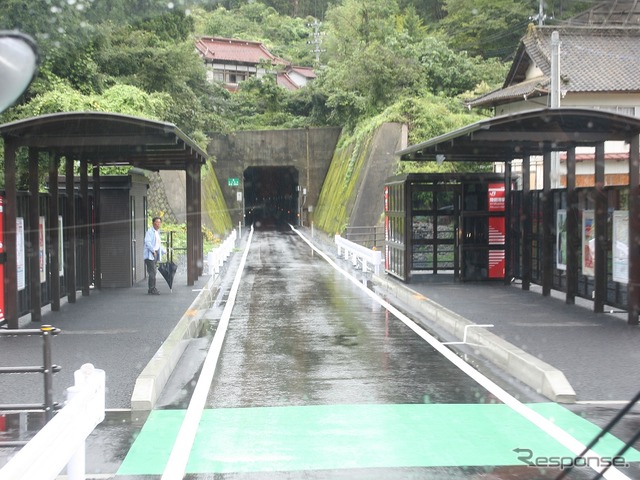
[(541, 13), (555, 69), (555, 101), (317, 41), (541, 16)]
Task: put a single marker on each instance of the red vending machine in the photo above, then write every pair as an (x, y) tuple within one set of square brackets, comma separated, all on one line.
[(497, 230)]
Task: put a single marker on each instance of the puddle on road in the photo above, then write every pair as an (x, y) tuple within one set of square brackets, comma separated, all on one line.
[(106, 447)]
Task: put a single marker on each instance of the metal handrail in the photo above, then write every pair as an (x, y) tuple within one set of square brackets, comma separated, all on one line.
[(367, 236), (48, 369)]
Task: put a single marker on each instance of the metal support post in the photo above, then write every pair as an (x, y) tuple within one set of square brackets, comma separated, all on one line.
[(47, 332)]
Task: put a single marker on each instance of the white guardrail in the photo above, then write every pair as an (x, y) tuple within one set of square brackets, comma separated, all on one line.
[(217, 256), (62, 440), (358, 253)]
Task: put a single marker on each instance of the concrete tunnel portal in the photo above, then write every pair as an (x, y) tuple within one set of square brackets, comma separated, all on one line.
[(271, 196)]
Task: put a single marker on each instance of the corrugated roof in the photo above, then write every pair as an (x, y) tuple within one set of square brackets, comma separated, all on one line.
[(110, 138), (534, 132), (529, 89)]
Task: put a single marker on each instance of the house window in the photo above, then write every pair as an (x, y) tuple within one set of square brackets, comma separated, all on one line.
[(236, 77), (218, 76)]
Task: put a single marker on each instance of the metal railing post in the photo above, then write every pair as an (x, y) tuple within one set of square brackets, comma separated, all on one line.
[(47, 332)]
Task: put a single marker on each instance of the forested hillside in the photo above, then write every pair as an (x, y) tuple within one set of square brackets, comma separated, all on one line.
[(394, 60)]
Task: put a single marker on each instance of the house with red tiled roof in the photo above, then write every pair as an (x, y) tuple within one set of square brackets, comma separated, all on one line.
[(231, 61), (599, 67)]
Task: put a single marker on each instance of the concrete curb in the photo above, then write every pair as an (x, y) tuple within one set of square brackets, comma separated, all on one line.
[(544, 378), (154, 377)]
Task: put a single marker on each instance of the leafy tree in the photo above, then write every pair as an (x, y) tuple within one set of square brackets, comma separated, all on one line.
[(122, 12), (430, 11), (171, 26), (429, 116), (63, 37), (490, 28), (451, 73), (63, 98)]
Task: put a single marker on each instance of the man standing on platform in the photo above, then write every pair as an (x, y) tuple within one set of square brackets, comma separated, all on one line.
[(152, 253)]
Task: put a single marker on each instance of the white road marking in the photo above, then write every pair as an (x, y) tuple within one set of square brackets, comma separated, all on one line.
[(177, 463), (538, 420)]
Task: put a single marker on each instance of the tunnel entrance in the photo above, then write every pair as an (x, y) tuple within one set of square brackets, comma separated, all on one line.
[(271, 196)]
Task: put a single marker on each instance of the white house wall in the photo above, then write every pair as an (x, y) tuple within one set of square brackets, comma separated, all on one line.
[(626, 104), (299, 80)]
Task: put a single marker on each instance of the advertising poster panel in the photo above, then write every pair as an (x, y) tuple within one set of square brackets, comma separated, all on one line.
[(620, 245), (561, 240), (60, 246), (21, 280), (42, 250), (588, 242)]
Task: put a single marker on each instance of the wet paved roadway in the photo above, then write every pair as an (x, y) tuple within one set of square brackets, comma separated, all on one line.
[(317, 380), (302, 334)]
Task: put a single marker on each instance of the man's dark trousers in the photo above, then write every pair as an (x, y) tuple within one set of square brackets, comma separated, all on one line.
[(151, 273)]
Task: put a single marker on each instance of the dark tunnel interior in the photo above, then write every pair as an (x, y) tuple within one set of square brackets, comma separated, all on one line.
[(271, 196)]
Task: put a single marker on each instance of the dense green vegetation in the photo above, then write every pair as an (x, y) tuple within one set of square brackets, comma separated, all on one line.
[(408, 61), (137, 56)]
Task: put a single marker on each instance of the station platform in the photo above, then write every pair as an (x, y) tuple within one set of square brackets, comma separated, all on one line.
[(596, 353), (122, 330)]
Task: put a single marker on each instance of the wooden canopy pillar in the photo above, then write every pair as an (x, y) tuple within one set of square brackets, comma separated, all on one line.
[(198, 199), (573, 229), (97, 279), (54, 232), (547, 225), (85, 231), (633, 297), (525, 221), (10, 235), (600, 222), (192, 227), (509, 225), (32, 239), (70, 230)]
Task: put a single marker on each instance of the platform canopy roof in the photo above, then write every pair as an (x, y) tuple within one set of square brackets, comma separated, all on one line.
[(531, 132), (110, 139)]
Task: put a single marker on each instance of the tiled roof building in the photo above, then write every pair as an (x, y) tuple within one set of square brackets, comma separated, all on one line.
[(599, 68), (232, 61), (598, 54), (592, 59)]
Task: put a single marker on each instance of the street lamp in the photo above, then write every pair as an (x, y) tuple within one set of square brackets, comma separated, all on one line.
[(18, 64)]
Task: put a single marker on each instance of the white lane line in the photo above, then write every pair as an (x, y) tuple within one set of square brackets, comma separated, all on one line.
[(538, 420), (177, 463)]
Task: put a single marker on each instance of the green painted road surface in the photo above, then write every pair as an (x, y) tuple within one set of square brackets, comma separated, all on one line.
[(306, 438)]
